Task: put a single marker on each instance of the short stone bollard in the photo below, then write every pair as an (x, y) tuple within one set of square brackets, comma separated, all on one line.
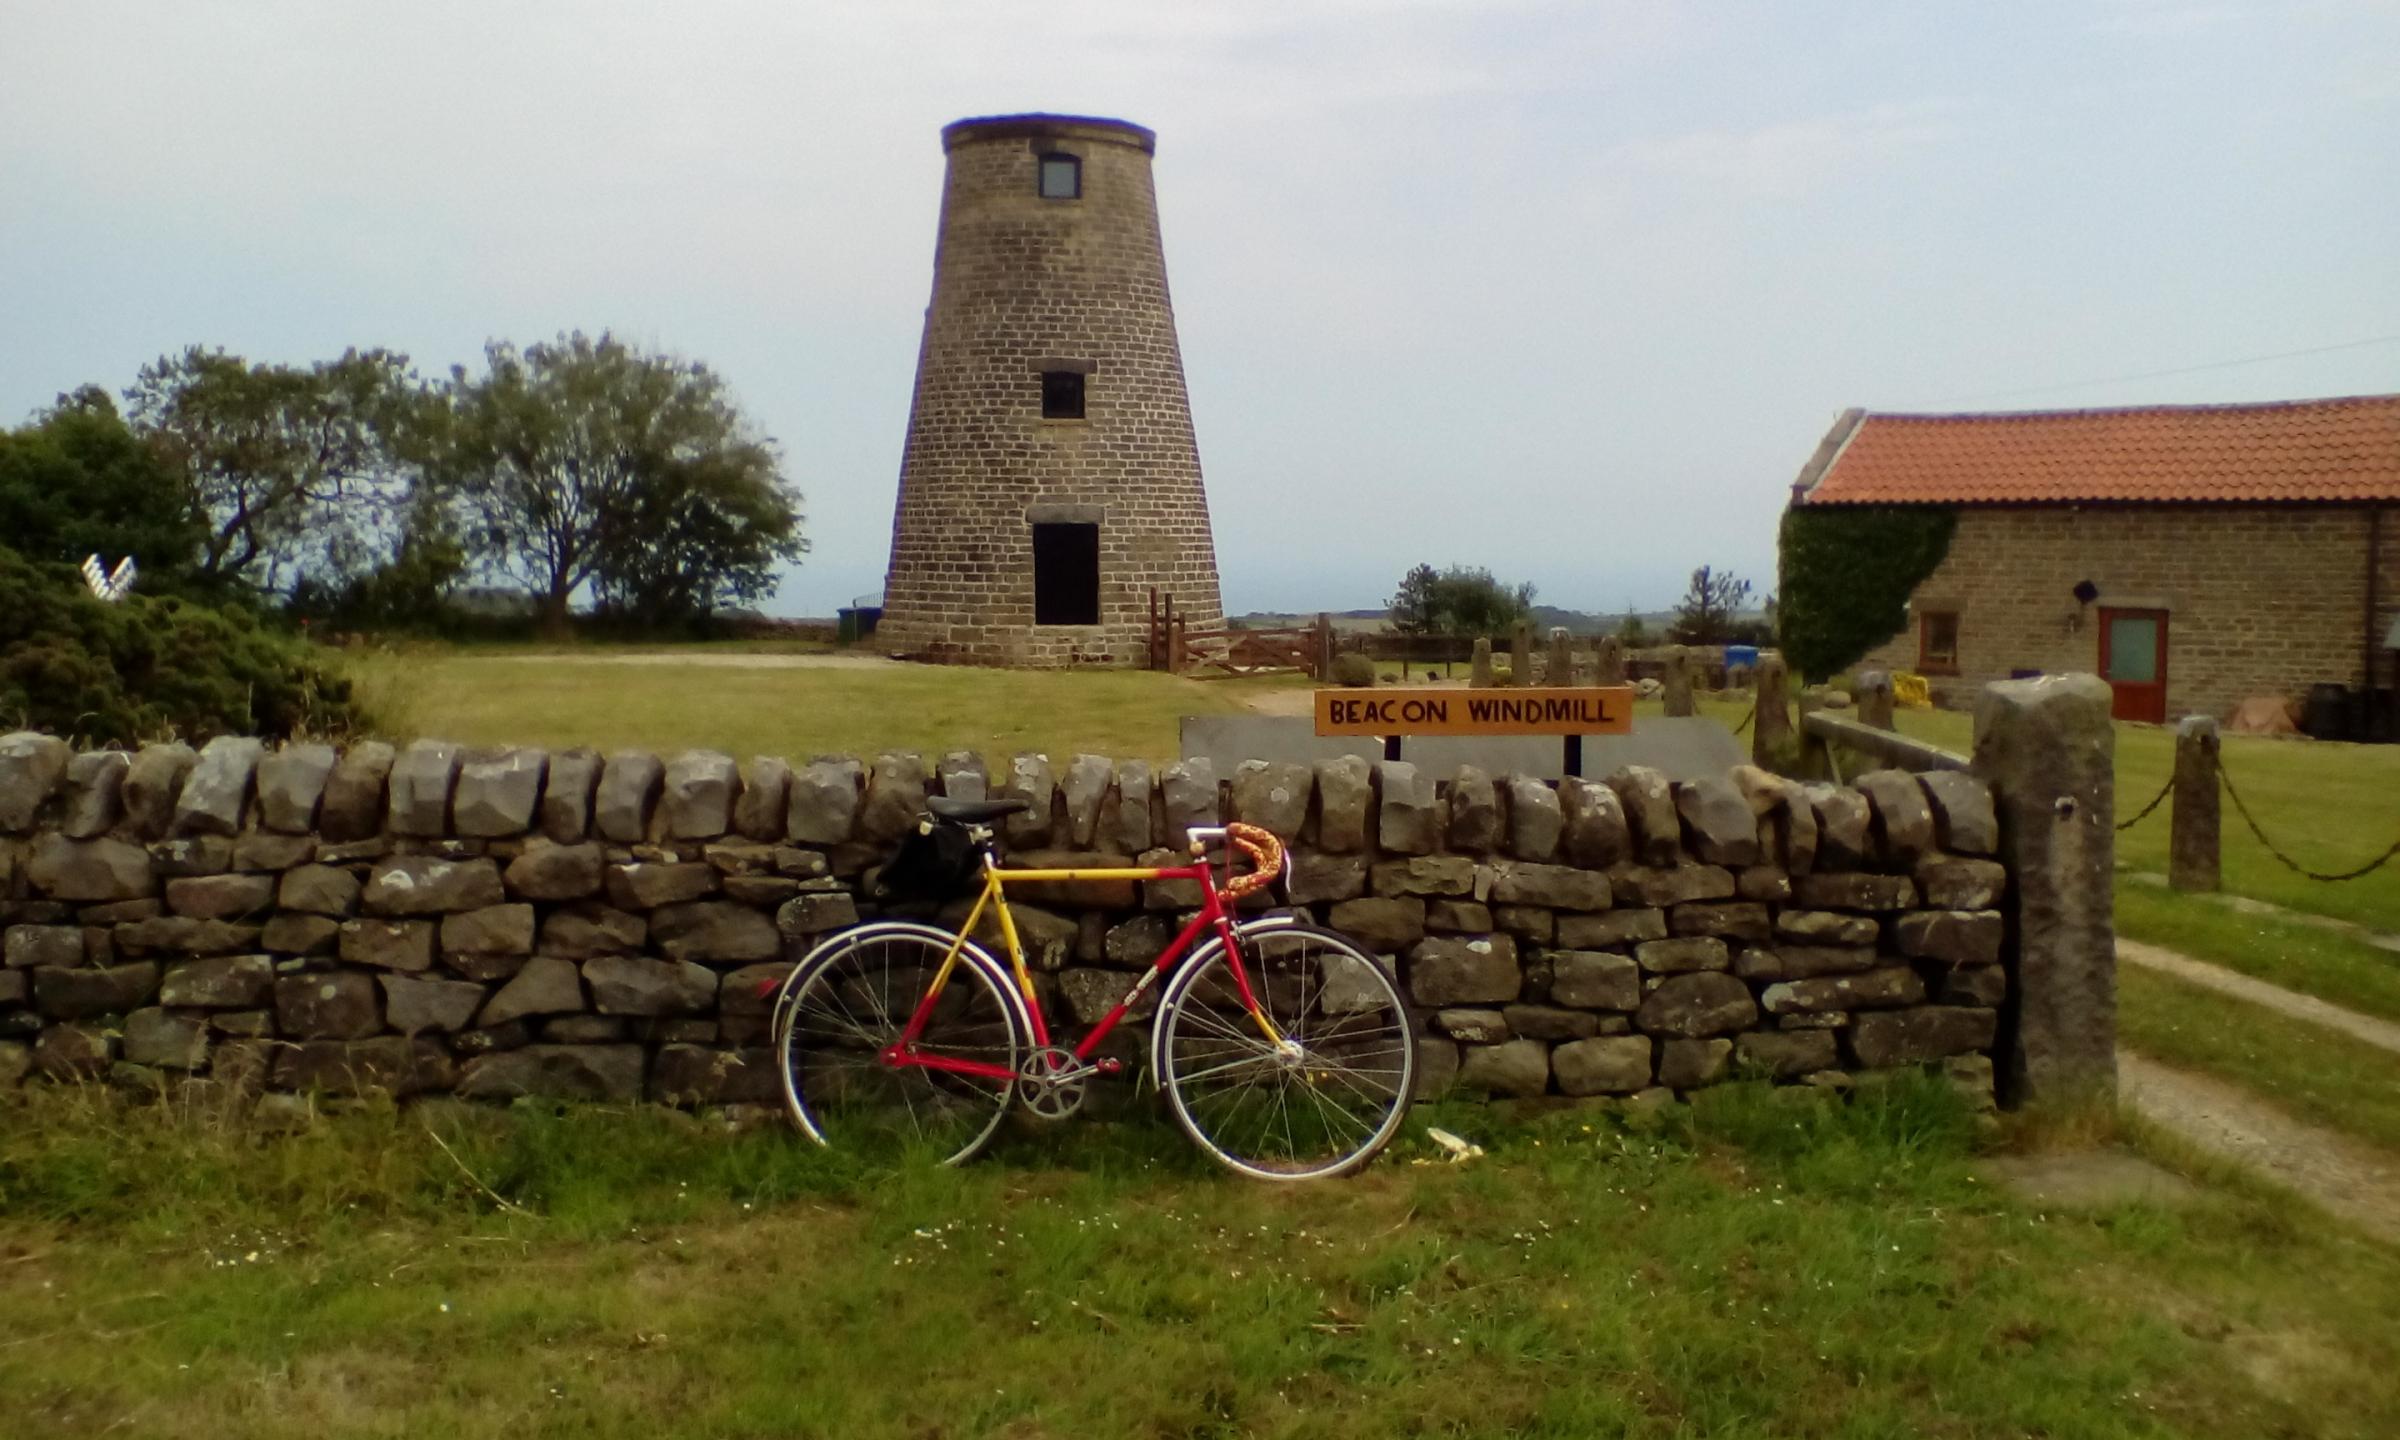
[(1562, 657), (1677, 682), (2193, 841), (1875, 700), (1520, 654), (1608, 661), (1771, 723), (1479, 669)]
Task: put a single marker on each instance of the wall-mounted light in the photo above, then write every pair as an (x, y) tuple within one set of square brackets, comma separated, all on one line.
[(2085, 593)]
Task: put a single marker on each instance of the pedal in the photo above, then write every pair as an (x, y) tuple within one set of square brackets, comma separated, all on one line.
[(1109, 1065)]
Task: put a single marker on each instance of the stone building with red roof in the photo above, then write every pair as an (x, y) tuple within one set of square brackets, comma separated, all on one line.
[(2193, 555)]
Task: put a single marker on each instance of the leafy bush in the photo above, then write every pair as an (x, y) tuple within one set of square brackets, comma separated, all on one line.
[(1356, 671), (147, 666), (1848, 571)]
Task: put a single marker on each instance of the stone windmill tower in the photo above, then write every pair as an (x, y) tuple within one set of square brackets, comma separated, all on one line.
[(1050, 480)]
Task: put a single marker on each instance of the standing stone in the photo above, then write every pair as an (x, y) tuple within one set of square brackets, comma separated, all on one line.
[(420, 788), (2193, 846), (353, 807), (1405, 808), (93, 796), (1474, 812), (1962, 808), (1188, 792), (1608, 661), (765, 790), (1128, 824), (1520, 653), (566, 812), (291, 785), (1561, 670), (1479, 665), (1771, 716), (1676, 682), (1592, 824), (1536, 818), (824, 801), (1083, 790), (1029, 780), (31, 767), (629, 784), (1344, 786), (1603, 1065), (699, 794), (1718, 821), (218, 788), (2047, 749), (498, 792), (1273, 795), (962, 776), (1649, 805), (1903, 820)]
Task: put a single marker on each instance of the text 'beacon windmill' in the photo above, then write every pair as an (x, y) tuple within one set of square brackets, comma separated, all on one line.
[(1051, 480)]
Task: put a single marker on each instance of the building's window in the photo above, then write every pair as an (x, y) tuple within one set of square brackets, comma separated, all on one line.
[(1937, 642), (1066, 574), (1062, 395), (1061, 177)]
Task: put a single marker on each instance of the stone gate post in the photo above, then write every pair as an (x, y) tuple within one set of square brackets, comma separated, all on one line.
[(1678, 682), (1771, 726), (1520, 654), (2192, 844)]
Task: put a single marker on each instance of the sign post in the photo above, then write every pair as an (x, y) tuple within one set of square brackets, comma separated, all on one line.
[(1570, 712)]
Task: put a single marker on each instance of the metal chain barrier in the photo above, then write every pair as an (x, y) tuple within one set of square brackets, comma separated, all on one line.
[(1746, 719), (2155, 801), (2288, 862)]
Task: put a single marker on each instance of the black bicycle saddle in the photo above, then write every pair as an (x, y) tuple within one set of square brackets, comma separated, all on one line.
[(973, 812)]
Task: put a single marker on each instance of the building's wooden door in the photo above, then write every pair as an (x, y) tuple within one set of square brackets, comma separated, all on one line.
[(2133, 659)]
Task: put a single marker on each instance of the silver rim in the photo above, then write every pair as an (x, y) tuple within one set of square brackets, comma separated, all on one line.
[(844, 1006), (1321, 1105)]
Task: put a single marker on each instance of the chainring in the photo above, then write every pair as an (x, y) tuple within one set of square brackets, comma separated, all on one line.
[(1052, 1084)]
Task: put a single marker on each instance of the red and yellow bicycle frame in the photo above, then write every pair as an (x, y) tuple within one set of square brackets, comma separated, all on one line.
[(1213, 916)]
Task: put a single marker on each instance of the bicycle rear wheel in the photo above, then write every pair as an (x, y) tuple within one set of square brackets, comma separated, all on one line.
[(1322, 1103), (847, 1004)]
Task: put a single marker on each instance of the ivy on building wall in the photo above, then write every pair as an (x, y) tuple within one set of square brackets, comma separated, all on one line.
[(1847, 573)]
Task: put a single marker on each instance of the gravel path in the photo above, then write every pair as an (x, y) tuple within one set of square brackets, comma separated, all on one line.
[(2350, 1178), (2382, 1034), (699, 658)]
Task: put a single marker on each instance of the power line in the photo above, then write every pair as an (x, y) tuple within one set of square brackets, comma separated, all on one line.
[(2180, 370)]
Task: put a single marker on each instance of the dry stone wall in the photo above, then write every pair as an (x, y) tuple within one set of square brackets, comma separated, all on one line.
[(510, 922)]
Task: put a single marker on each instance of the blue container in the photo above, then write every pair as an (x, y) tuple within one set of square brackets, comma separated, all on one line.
[(1737, 656)]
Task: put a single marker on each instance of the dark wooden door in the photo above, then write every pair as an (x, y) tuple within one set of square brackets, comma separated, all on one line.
[(2133, 659)]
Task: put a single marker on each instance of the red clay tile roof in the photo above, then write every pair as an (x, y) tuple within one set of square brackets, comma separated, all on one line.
[(2299, 450)]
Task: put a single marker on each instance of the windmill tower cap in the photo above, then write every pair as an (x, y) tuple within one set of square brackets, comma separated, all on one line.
[(1048, 127)]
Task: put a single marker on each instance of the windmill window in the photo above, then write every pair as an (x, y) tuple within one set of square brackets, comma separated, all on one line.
[(1061, 177), (1066, 574), (1062, 395)]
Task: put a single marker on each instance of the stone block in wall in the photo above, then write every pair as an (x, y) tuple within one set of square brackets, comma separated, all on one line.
[(630, 781), (1843, 828), (420, 785), (166, 1042), (92, 797), (640, 985), (556, 872), (1536, 820), (291, 785), (88, 993), (1030, 780), (412, 1005), (390, 1064), (1273, 795), (1719, 827), (1472, 1026), (262, 851), (292, 932), (1604, 1065), (32, 766), (717, 931), (1474, 812), (431, 885), (192, 855), (1530, 923), (234, 982), (804, 916), (484, 944), (1083, 791), (388, 944), (1727, 919), (1673, 885), (1881, 1039), (353, 803), (1854, 891), (1696, 1006), (73, 1052), (352, 852), (1091, 994), (1593, 832), (1345, 787), (1690, 1064), (1453, 917), (1963, 817), (750, 991), (584, 930), (1683, 955), (120, 912), (1382, 924), (1872, 989), (1437, 1066), (1786, 961), (89, 870), (1653, 827), (1966, 938), (824, 801), (962, 776), (547, 985), (1550, 1022), (1826, 927), (1983, 985), (1903, 825), (498, 791), (1425, 875), (1948, 882), (761, 796), (1128, 822), (1353, 986), (1511, 1068), (336, 1005), (1784, 1054), (648, 886), (221, 897), (1594, 980), (694, 1075), (698, 796), (1406, 809), (1444, 970), (1135, 943), (179, 935), (1613, 930), (895, 798), (1318, 878), (565, 815), (16, 1061), (1560, 887)]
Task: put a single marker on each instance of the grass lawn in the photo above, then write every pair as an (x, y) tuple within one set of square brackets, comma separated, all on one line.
[(1753, 1268), (2277, 949)]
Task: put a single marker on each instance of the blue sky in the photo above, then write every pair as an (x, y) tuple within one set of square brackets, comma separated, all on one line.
[(1569, 290)]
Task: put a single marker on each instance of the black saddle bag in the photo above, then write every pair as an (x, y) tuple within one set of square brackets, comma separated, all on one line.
[(936, 861)]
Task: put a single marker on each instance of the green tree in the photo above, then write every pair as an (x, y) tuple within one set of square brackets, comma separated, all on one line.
[(1471, 602), (1705, 615), (1846, 574), (589, 465), (1631, 631), (77, 481), (1415, 608), (295, 471)]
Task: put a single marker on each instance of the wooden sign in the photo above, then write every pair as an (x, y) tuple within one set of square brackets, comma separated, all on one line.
[(1581, 710)]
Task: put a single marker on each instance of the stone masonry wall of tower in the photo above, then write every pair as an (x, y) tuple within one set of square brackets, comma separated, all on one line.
[(1024, 284)]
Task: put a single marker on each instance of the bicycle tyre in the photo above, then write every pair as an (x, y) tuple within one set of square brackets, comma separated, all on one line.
[(1324, 1110), (850, 998)]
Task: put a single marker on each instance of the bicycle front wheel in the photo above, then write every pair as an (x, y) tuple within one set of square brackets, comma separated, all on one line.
[(1319, 1100), (843, 1011)]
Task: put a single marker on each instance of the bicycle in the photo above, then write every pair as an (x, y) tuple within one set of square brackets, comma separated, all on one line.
[(1284, 1050)]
